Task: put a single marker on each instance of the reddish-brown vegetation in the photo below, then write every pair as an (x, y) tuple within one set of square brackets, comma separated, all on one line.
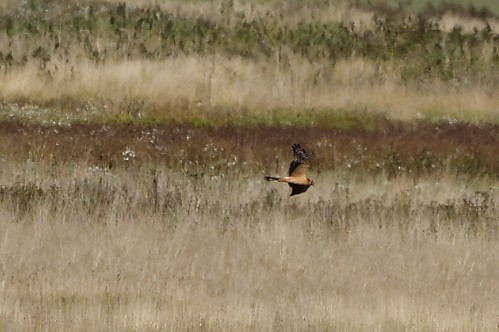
[(393, 148)]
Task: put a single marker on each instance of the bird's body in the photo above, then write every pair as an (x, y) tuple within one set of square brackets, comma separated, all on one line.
[(297, 179)]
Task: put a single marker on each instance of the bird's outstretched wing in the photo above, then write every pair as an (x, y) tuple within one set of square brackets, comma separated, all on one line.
[(300, 162), (298, 188)]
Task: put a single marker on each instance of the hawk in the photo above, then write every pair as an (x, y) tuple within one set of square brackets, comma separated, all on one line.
[(297, 179)]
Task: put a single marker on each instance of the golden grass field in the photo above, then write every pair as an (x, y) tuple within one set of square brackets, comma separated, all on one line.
[(139, 250), (132, 195), (187, 87)]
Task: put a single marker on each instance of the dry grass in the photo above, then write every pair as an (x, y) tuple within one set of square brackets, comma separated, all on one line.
[(449, 21), (399, 233), (135, 250), (335, 11), (178, 87), (290, 14), (455, 84)]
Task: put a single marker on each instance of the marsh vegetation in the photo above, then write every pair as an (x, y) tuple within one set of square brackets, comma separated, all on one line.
[(227, 62), (135, 137)]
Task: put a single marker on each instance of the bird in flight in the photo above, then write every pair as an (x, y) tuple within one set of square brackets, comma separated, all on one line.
[(297, 179)]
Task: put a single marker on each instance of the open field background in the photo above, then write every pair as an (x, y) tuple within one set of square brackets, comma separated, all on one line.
[(245, 62), (134, 137), (152, 249)]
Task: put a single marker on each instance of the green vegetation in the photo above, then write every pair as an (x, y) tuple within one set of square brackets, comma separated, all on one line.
[(55, 54), (44, 31)]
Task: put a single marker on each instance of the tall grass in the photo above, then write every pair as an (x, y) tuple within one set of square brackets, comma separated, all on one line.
[(135, 138), (176, 62), (238, 89), (159, 250), (469, 7)]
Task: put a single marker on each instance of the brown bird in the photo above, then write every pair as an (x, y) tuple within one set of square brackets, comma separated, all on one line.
[(297, 179)]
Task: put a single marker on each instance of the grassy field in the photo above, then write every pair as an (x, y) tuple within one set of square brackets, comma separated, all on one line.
[(135, 138), (224, 63), (153, 249)]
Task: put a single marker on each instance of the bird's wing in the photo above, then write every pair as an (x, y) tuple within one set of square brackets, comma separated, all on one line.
[(300, 162), (298, 189)]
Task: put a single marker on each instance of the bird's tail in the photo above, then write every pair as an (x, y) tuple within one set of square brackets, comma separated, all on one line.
[(271, 178)]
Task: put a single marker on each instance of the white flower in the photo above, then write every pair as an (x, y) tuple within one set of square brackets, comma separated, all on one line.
[(128, 154)]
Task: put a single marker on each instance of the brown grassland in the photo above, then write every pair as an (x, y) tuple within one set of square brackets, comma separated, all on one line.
[(132, 195), (144, 247)]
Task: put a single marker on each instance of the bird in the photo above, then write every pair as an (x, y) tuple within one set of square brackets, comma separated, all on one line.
[(297, 179)]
